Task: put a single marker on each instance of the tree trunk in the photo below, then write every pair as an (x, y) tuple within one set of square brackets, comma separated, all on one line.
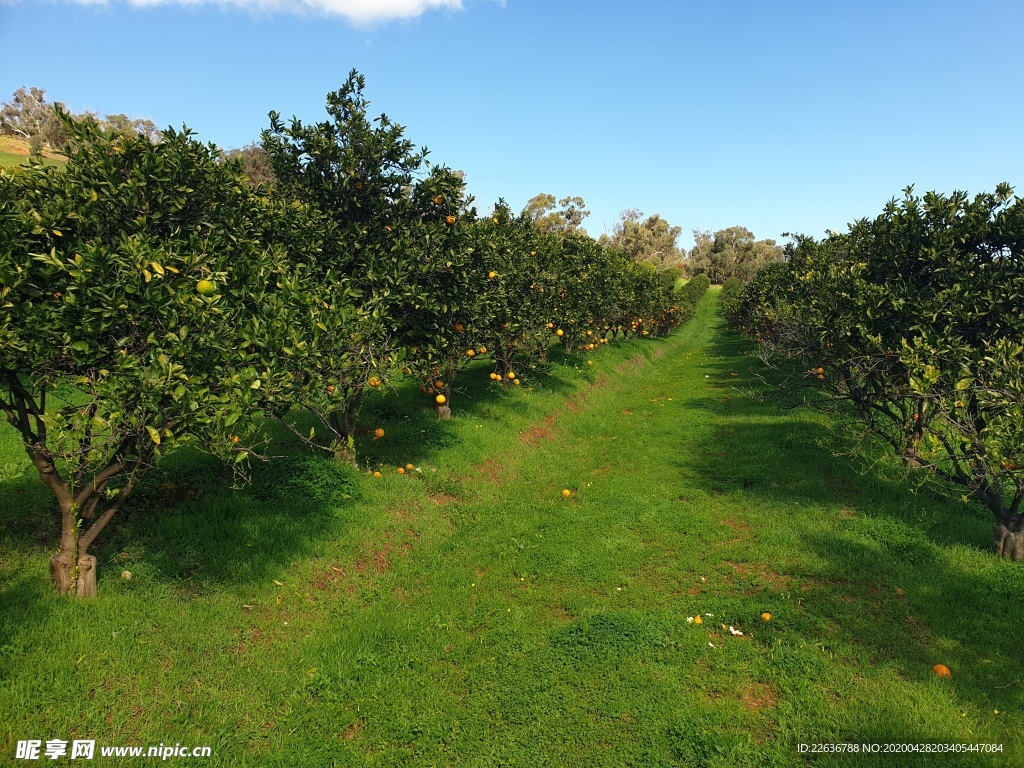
[(343, 423), (1008, 537), (344, 451), (444, 412), (65, 579)]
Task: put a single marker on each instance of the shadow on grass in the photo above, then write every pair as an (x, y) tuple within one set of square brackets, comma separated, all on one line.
[(186, 525), (906, 573)]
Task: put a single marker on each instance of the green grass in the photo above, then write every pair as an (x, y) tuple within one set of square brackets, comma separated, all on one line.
[(14, 152), (467, 614)]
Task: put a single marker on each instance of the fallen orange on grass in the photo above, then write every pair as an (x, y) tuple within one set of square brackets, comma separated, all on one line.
[(378, 432), (766, 616), (566, 493), (942, 670)]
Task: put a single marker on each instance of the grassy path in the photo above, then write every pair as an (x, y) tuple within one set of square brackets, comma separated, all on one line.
[(468, 614)]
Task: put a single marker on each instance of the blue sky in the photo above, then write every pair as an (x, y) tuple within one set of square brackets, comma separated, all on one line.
[(778, 116)]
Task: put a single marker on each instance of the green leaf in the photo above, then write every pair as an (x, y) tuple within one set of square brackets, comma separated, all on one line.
[(154, 435)]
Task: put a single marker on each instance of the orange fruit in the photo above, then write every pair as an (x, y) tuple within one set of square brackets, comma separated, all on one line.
[(410, 467), (330, 389), (378, 432), (766, 616), (590, 362), (438, 384), (450, 220), (492, 275), (234, 438), (401, 470), (566, 493), (516, 382), (470, 353), (206, 287), (511, 375), (374, 381), (697, 619), (942, 670), (438, 200), (559, 332), (376, 474), (459, 327), (482, 350), (440, 399), (551, 325)]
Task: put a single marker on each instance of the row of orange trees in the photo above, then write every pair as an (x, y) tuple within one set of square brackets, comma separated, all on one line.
[(150, 299), (913, 322)]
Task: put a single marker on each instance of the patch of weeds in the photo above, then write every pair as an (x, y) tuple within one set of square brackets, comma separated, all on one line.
[(610, 636), (305, 477)]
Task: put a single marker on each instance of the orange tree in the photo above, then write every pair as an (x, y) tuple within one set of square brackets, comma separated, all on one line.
[(912, 322), (142, 308), (518, 311), (445, 310), (352, 175), (572, 263)]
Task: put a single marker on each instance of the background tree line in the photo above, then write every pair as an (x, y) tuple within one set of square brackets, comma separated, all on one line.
[(29, 116)]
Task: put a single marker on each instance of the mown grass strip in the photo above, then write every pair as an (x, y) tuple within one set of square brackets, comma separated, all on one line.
[(468, 614)]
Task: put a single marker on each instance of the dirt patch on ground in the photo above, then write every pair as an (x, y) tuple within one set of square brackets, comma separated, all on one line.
[(759, 696), (736, 526), (759, 573), (353, 732), (404, 514), (635, 362), (534, 436)]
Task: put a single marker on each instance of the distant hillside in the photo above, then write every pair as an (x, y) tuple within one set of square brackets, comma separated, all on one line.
[(14, 151)]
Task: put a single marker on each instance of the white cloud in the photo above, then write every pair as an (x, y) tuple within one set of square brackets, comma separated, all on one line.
[(359, 12)]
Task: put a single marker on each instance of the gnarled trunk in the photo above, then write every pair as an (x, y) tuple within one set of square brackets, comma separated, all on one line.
[(73, 578), (444, 412), (343, 423), (1008, 537)]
